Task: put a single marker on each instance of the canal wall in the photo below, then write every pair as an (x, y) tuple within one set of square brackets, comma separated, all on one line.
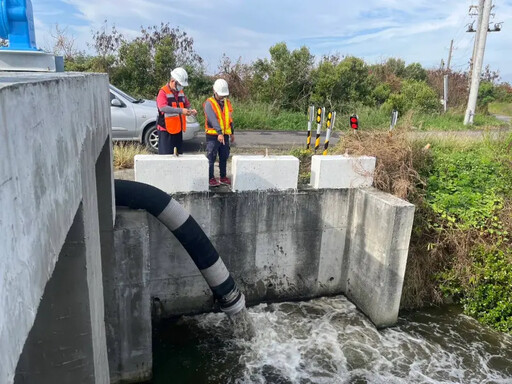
[(278, 245)]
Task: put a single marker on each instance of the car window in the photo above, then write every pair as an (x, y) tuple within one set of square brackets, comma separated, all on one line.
[(112, 96), (123, 94)]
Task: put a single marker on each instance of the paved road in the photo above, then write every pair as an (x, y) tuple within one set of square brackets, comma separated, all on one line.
[(262, 139), (503, 118)]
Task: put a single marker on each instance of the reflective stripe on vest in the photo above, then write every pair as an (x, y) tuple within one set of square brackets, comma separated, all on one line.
[(173, 122), (224, 121)]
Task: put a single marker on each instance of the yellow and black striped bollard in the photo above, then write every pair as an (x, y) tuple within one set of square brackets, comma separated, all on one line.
[(311, 117), (320, 114), (331, 119)]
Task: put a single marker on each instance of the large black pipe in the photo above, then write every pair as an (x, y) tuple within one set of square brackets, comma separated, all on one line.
[(169, 212)]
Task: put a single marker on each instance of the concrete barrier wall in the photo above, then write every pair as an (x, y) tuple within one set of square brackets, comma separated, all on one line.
[(171, 174), (280, 245), (252, 173), (285, 245), (53, 128), (342, 171)]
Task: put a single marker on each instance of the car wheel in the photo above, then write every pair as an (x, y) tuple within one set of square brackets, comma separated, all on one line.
[(151, 139)]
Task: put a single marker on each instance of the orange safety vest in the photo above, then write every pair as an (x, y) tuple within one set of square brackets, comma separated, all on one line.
[(225, 119), (173, 122)]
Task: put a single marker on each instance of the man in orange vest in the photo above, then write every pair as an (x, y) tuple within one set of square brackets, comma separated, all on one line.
[(173, 109), (219, 130)]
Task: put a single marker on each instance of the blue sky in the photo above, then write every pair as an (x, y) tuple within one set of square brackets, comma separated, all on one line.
[(414, 30)]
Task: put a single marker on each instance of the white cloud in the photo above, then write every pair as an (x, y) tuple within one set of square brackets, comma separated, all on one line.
[(416, 30)]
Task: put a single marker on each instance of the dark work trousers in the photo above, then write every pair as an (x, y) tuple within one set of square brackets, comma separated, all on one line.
[(212, 148), (167, 142)]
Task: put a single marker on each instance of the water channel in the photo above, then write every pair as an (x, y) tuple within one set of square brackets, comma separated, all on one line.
[(328, 341)]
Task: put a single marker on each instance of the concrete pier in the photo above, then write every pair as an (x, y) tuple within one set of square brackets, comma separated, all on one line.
[(56, 170)]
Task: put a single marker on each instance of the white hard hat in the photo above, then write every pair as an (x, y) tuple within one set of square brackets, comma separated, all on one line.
[(221, 87), (180, 75)]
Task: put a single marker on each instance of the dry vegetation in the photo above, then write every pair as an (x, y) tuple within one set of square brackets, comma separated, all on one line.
[(124, 153), (395, 171)]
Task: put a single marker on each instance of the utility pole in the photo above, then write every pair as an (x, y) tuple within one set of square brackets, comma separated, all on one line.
[(445, 93), (479, 49), (445, 82), (449, 56), (480, 13)]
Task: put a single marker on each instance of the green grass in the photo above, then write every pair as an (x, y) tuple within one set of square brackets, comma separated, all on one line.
[(261, 116), (453, 121), (468, 191), (501, 108)]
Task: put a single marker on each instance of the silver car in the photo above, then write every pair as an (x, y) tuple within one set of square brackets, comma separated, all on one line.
[(135, 120)]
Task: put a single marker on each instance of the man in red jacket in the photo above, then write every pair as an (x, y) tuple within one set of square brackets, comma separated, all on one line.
[(173, 109)]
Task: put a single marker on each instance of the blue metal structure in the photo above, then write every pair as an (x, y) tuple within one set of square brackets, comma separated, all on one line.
[(17, 25)]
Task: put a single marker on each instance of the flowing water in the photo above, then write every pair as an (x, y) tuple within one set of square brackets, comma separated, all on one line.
[(328, 340)]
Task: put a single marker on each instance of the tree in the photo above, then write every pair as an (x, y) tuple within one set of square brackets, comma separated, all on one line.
[(285, 79), (107, 45), (164, 35), (503, 92), (64, 44), (416, 72), (458, 91), (340, 83), (415, 95), (238, 76), (384, 74), (381, 93), (490, 76), (199, 83), (396, 66), (82, 63), (135, 72), (141, 66)]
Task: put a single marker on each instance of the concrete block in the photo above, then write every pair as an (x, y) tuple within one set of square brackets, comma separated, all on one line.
[(265, 172), (378, 243), (342, 171), (185, 173)]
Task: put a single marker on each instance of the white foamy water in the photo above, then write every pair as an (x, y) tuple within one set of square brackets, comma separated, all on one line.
[(329, 341)]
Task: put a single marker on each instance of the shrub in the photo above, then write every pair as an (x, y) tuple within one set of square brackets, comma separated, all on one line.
[(469, 193), (486, 93), (395, 101), (420, 96), (489, 294), (415, 95), (466, 189), (381, 93)]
